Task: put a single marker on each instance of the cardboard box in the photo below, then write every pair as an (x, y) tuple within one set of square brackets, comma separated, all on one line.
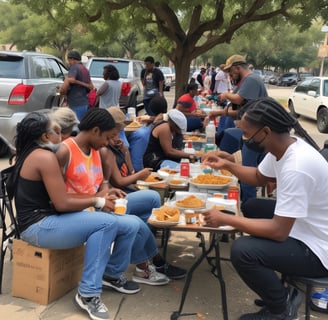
[(44, 275)]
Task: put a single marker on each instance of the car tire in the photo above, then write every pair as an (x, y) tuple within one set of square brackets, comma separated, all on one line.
[(322, 120), (292, 109)]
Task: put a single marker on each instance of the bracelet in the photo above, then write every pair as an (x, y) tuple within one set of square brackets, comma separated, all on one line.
[(100, 203), (105, 182)]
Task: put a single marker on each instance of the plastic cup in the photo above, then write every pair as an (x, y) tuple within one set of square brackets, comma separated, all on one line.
[(120, 206)]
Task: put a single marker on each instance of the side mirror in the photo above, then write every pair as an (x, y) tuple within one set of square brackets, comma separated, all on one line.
[(312, 93)]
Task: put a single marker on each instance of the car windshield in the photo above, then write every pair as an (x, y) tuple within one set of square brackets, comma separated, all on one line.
[(97, 67), (11, 67), (166, 70)]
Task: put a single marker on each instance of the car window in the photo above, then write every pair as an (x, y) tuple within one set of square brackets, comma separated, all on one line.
[(39, 69), (97, 66), (12, 67), (303, 87), (315, 86), (55, 70), (325, 88), (136, 72)]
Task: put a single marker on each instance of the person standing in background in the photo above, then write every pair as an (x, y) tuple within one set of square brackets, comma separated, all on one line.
[(109, 93), (77, 85), (153, 81)]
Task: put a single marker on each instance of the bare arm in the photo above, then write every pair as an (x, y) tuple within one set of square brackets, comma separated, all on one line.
[(249, 175), (164, 135), (277, 228), (115, 177), (43, 165)]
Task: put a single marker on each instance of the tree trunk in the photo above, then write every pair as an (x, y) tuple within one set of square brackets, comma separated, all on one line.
[(182, 68)]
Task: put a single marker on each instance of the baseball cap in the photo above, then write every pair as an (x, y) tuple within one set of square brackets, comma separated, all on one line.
[(234, 60), (118, 116), (178, 118), (74, 55)]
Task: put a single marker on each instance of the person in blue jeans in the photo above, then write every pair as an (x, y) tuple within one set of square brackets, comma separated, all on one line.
[(138, 140), (82, 167), (50, 218), (77, 85), (249, 86)]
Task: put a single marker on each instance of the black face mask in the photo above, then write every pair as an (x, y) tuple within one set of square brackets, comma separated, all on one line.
[(255, 145)]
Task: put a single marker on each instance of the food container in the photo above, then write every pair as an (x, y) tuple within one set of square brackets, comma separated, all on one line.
[(191, 216), (120, 206)]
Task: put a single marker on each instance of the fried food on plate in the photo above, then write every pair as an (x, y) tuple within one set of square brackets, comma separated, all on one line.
[(211, 179), (190, 202), (167, 214)]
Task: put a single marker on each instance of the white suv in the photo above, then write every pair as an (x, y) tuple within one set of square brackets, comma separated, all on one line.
[(28, 82)]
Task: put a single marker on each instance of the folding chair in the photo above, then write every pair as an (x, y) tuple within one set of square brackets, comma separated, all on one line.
[(8, 224)]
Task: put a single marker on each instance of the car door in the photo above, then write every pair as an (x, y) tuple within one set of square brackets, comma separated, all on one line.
[(311, 102), (300, 97)]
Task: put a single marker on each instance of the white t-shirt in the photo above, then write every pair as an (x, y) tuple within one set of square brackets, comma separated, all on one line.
[(222, 82), (302, 193)]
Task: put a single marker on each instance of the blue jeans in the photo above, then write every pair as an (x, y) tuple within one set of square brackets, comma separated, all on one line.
[(249, 159), (97, 230), (142, 202), (194, 123), (230, 140), (80, 111), (138, 141)]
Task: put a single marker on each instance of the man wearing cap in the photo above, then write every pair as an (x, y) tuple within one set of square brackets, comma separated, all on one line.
[(77, 84), (249, 86), (166, 143)]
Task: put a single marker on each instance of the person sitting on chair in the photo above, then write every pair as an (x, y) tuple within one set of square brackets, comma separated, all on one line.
[(295, 240)]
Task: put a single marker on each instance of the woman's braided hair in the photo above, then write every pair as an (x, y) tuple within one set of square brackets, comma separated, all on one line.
[(96, 117), (268, 112)]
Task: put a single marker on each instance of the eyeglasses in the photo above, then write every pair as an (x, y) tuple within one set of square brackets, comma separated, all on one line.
[(252, 137)]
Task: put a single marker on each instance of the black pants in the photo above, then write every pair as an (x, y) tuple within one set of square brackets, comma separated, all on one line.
[(257, 259)]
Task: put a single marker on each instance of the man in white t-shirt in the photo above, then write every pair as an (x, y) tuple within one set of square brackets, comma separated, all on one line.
[(295, 240)]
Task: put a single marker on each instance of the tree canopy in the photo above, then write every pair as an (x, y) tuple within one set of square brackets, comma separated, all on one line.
[(181, 31)]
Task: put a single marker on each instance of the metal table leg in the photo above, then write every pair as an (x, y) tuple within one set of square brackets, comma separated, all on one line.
[(214, 243)]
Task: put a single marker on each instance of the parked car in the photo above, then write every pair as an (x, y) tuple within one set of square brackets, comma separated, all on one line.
[(169, 76), (28, 82), (274, 79), (288, 79), (267, 75), (259, 73), (304, 75), (130, 71), (310, 99)]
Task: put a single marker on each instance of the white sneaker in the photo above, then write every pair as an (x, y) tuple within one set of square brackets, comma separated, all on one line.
[(150, 276)]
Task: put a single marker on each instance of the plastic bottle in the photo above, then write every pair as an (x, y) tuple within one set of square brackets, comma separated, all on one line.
[(210, 131), (189, 148)]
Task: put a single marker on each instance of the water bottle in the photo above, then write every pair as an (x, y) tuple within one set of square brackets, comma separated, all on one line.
[(210, 133)]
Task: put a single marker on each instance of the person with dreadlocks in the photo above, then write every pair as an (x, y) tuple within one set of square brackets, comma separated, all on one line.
[(50, 218), (295, 240)]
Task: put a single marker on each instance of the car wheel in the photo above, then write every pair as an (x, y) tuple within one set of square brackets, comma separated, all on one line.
[(4, 149), (292, 109), (322, 120)]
